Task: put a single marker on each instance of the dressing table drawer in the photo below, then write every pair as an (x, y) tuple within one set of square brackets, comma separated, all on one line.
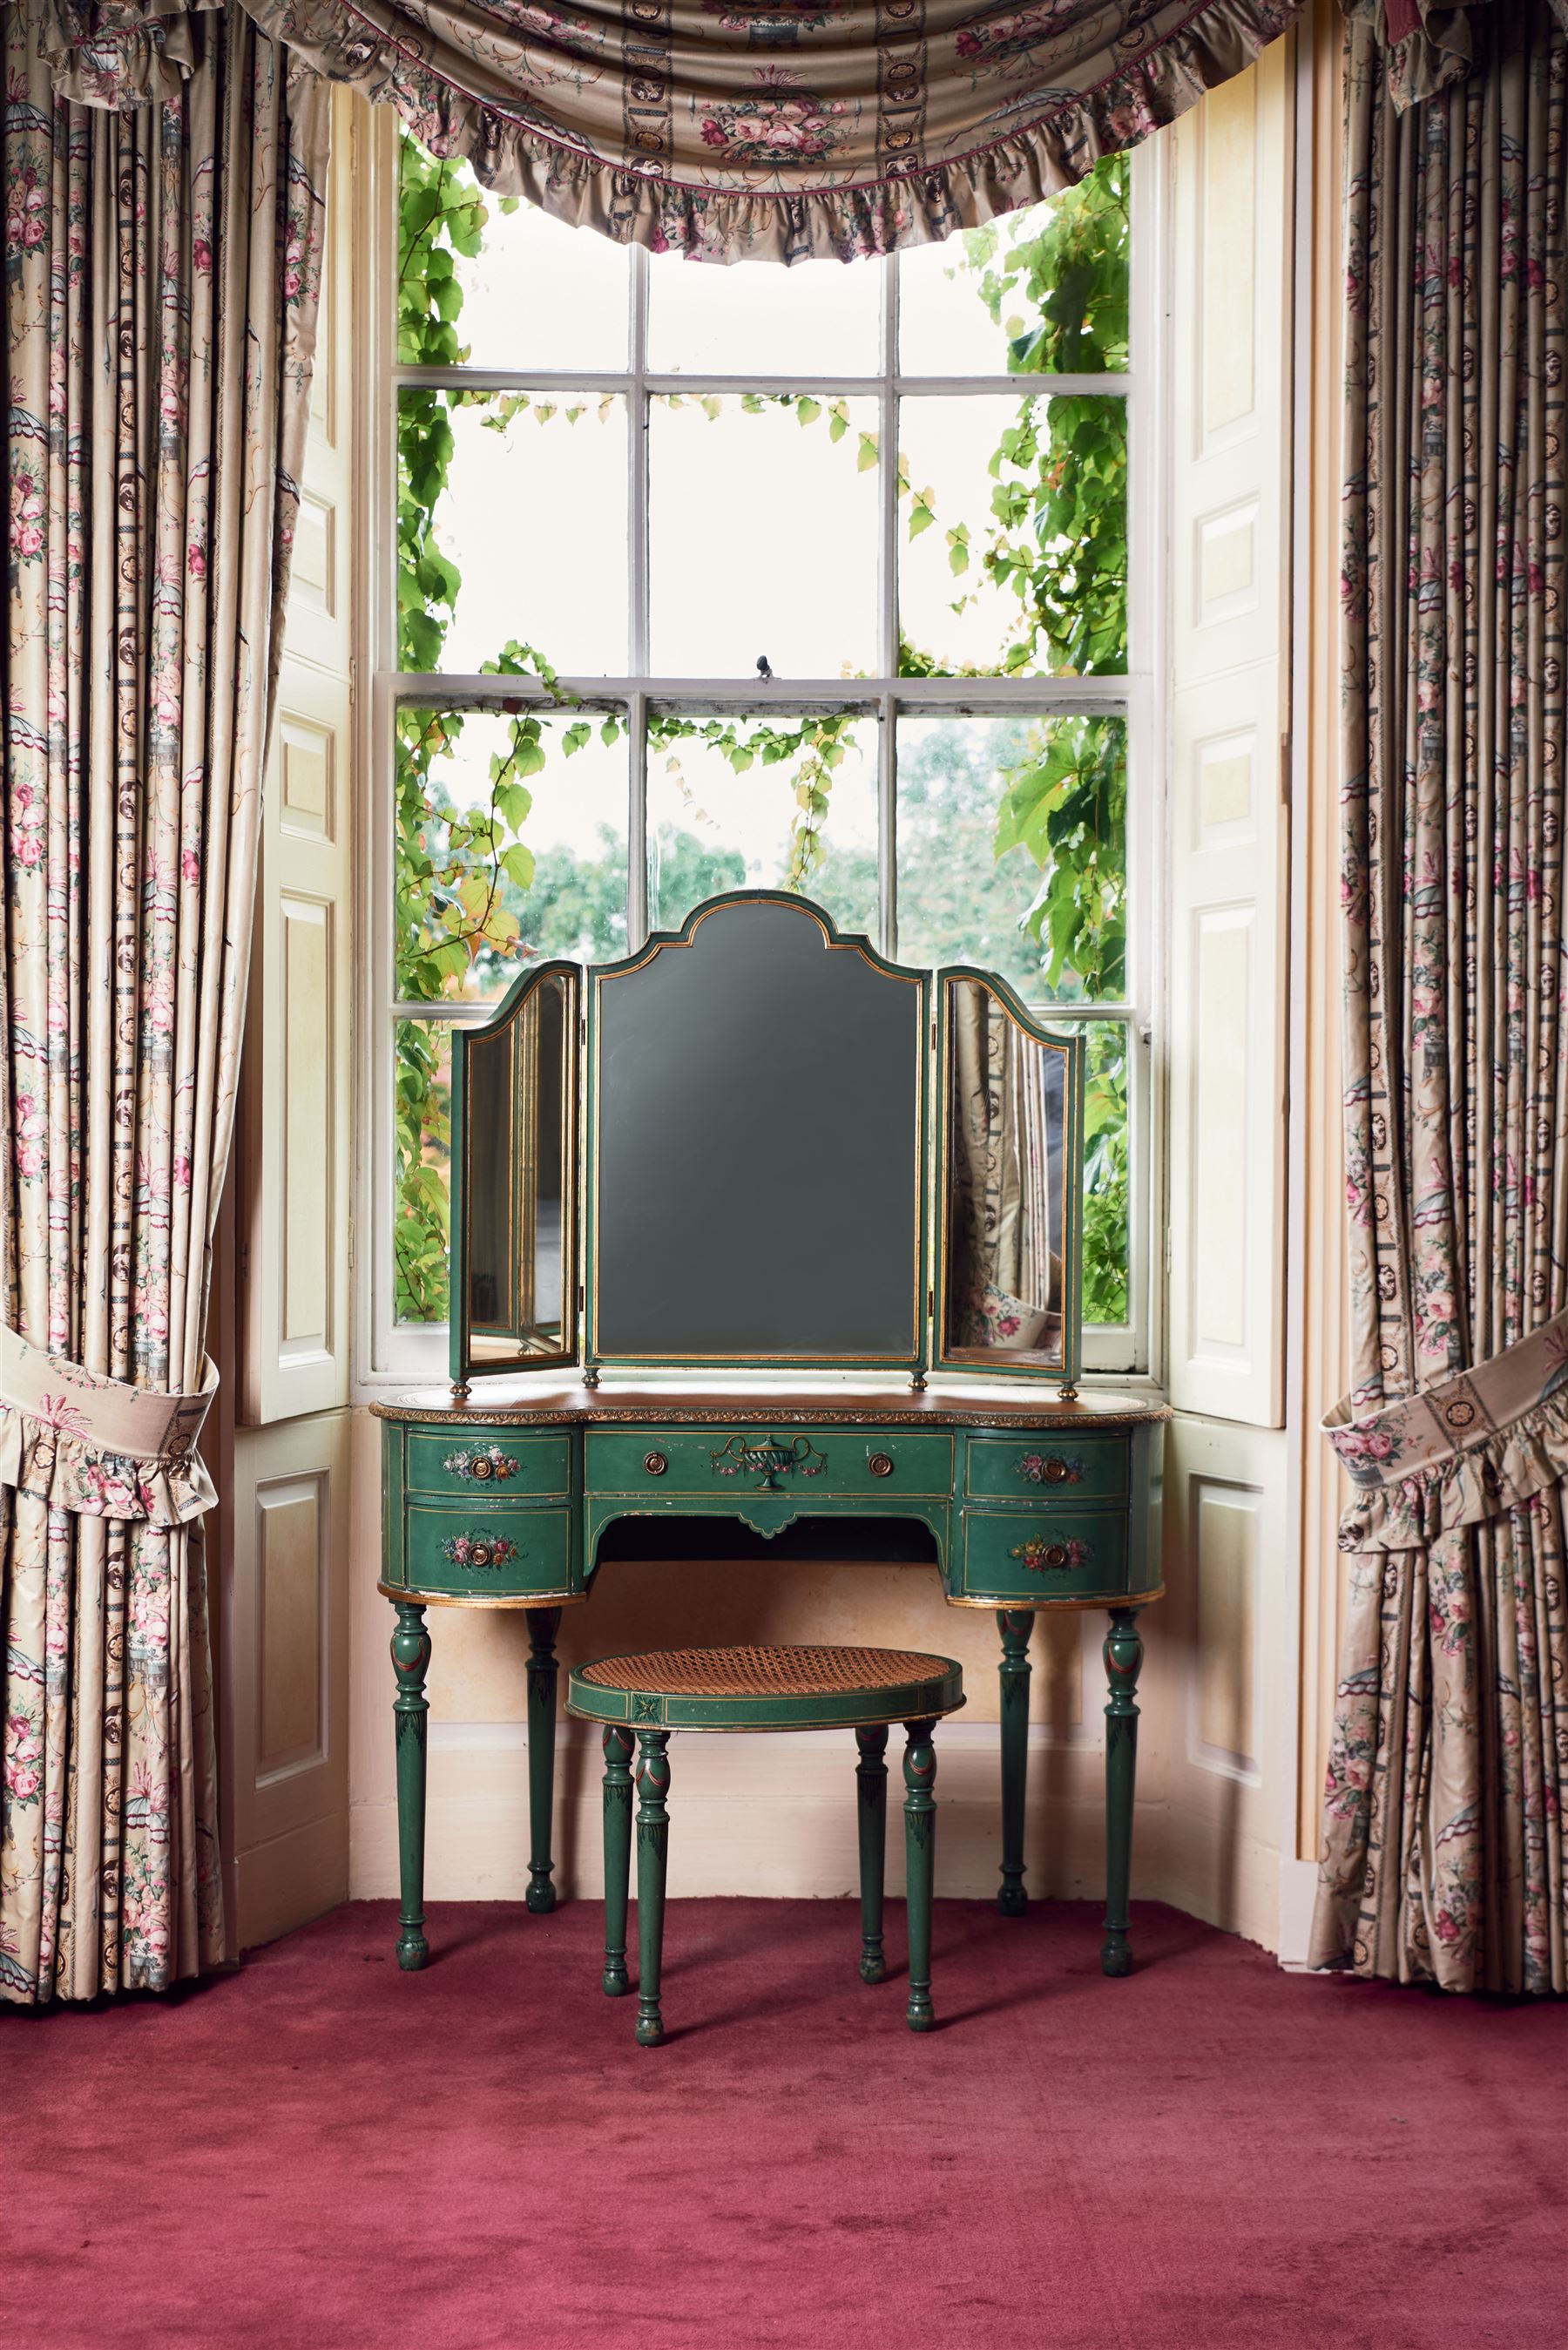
[(486, 1462), (778, 1459), (1032, 1556), (488, 1552), (1076, 1468)]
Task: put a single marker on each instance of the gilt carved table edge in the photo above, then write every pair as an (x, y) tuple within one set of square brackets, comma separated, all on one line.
[(936, 1409)]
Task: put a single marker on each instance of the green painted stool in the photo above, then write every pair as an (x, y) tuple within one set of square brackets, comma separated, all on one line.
[(863, 1690)]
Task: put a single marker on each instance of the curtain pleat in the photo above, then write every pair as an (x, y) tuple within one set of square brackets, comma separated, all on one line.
[(162, 270), (1448, 1762)]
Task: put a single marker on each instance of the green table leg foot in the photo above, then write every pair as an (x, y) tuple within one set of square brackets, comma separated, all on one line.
[(1124, 1656), (1015, 1624), (410, 1709), (919, 1866), (653, 1857), (871, 1779), (542, 1675), (618, 1746)]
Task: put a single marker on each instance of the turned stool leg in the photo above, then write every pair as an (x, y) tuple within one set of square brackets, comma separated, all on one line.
[(652, 1853), (1124, 1655), (411, 1657), (871, 1777), (618, 1744), (1016, 1624), (542, 1672), (919, 1858)]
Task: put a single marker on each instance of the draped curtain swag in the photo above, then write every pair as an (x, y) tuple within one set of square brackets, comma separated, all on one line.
[(737, 130), (1448, 1764), (161, 273)]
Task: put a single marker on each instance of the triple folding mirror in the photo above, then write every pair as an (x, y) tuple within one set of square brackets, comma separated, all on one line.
[(779, 1133)]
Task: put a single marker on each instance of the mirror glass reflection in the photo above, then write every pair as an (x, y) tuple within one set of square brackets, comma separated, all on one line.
[(516, 1199), (1006, 1201)]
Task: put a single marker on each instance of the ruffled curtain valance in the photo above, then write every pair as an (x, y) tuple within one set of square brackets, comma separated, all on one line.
[(740, 130)]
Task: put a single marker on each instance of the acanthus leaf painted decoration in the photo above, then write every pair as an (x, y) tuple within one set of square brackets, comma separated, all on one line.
[(766, 1461)]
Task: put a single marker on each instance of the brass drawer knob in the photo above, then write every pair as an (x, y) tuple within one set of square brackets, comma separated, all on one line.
[(1056, 1556), (1055, 1470), (656, 1464), (479, 1554), (882, 1464), (481, 1467)]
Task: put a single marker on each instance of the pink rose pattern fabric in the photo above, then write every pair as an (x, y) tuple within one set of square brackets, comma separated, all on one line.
[(780, 129), (1449, 1765), (161, 272)]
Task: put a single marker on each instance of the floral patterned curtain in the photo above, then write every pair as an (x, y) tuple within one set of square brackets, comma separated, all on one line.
[(780, 129), (1449, 1765), (161, 274)]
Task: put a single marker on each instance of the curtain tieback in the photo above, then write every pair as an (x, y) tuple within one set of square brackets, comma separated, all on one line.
[(100, 1446), (1467, 1447)]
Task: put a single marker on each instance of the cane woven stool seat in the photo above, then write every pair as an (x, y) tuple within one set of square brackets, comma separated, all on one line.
[(641, 1698), (767, 1688)]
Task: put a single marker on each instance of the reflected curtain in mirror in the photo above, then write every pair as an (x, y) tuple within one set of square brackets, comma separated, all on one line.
[(1008, 1209), (514, 1258)]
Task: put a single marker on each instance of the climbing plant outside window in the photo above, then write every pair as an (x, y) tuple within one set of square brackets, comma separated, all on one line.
[(816, 579)]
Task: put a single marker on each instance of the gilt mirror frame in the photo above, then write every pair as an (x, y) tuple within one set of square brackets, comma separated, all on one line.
[(998, 1363), (911, 1360), (464, 1365)]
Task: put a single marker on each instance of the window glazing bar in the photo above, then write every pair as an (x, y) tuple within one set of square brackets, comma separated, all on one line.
[(787, 387)]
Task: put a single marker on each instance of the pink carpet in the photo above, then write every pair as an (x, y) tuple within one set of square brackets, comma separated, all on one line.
[(321, 2151)]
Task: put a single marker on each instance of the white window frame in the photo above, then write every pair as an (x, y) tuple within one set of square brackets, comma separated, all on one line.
[(391, 1353)]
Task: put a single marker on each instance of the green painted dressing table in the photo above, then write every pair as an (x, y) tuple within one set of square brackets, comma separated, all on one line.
[(737, 1158)]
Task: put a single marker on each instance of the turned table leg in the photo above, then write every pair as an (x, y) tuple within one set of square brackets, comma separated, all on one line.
[(542, 1624), (619, 1747), (920, 1859), (411, 1660), (1016, 1624), (653, 1853), (1124, 1655), (871, 1780)]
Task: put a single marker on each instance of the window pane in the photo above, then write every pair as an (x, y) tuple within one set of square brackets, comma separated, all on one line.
[(1012, 850), (421, 1059), (763, 537), (458, 304), (773, 803), (1012, 544), (820, 319), (1107, 1206), (511, 845), (512, 525), (1042, 291)]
